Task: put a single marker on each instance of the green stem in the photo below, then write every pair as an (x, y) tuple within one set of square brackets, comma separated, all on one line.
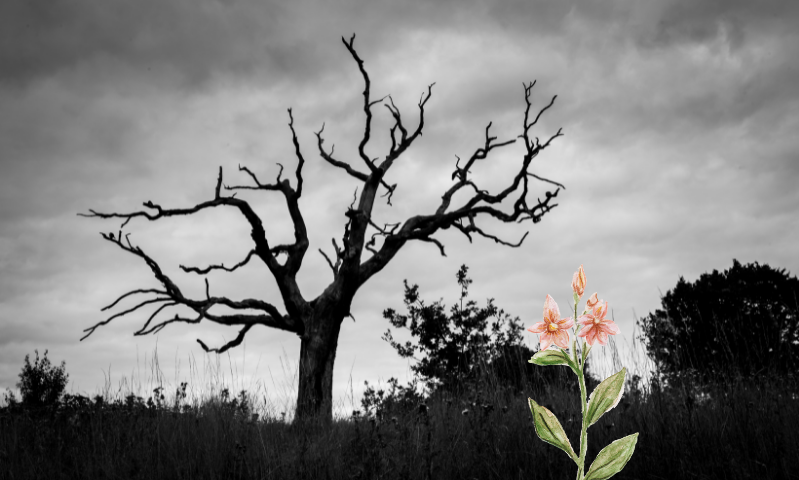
[(584, 431), (581, 377)]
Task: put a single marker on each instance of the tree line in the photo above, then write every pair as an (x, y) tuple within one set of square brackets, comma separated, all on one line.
[(742, 321)]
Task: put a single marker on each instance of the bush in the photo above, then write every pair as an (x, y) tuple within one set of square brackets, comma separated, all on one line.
[(470, 351), (41, 384), (741, 321), (455, 349)]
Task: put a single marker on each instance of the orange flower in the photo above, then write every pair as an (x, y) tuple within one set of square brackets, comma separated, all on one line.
[(596, 327), (578, 282), (592, 301), (553, 328)]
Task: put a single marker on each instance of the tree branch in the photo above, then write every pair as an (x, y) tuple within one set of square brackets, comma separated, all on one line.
[(405, 142), (296, 251), (157, 328), (367, 105), (151, 290), (285, 275), (221, 266), (174, 297), (462, 173), (436, 242), (329, 158), (300, 158), (474, 228), (421, 227), (233, 343), (339, 257), (91, 330), (545, 180)]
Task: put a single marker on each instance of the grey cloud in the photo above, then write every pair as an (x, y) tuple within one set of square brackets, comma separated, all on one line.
[(545, 17), (683, 100), (195, 41), (42, 38), (702, 21), (198, 42)]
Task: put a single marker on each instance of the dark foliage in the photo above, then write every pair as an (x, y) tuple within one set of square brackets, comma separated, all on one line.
[(746, 430), (747, 433), (42, 384), (742, 321)]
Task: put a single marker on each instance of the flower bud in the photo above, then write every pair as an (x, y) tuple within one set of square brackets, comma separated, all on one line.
[(578, 282)]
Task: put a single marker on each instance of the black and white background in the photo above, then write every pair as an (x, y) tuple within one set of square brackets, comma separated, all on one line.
[(680, 153)]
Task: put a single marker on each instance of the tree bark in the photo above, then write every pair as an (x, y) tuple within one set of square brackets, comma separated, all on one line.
[(318, 345)]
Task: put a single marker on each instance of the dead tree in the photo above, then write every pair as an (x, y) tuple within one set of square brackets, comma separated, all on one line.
[(318, 321)]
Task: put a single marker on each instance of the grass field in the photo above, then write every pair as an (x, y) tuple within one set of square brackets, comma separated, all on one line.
[(736, 429)]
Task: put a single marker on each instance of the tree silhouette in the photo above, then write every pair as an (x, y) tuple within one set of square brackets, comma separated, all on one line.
[(458, 352), (42, 384), (318, 321), (742, 321)]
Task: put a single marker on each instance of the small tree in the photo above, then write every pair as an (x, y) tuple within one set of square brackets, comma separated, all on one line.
[(742, 321), (459, 353), (42, 384)]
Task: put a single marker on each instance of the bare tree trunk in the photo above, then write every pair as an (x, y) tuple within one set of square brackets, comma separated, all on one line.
[(317, 358)]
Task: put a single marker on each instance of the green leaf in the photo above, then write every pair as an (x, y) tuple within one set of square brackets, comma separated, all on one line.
[(549, 357), (548, 429), (605, 396), (586, 351), (612, 458)]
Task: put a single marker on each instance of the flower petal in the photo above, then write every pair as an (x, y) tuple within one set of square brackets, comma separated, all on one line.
[(546, 340), (592, 301), (551, 308), (562, 339), (586, 319), (539, 327), (602, 337), (586, 328), (601, 309), (564, 323), (610, 327), (590, 337), (578, 282)]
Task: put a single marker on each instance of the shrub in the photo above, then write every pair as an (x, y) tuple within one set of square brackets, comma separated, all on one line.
[(743, 320), (41, 384)]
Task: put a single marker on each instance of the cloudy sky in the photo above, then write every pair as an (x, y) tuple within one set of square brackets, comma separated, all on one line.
[(680, 153)]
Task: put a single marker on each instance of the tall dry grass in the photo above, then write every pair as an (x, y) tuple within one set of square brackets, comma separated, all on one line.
[(734, 429)]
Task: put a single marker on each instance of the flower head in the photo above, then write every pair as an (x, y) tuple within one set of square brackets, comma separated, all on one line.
[(553, 328), (578, 282), (596, 327)]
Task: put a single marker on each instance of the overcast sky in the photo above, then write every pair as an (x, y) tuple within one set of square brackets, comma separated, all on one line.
[(680, 153)]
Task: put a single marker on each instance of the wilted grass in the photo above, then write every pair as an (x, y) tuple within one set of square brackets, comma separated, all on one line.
[(747, 429)]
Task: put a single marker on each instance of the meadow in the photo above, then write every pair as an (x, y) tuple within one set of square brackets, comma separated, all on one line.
[(736, 428)]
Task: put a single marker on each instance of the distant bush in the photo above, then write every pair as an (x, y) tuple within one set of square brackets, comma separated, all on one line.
[(42, 384), (741, 321)]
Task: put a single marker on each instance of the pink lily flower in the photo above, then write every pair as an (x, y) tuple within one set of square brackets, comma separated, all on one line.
[(553, 328), (596, 327)]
